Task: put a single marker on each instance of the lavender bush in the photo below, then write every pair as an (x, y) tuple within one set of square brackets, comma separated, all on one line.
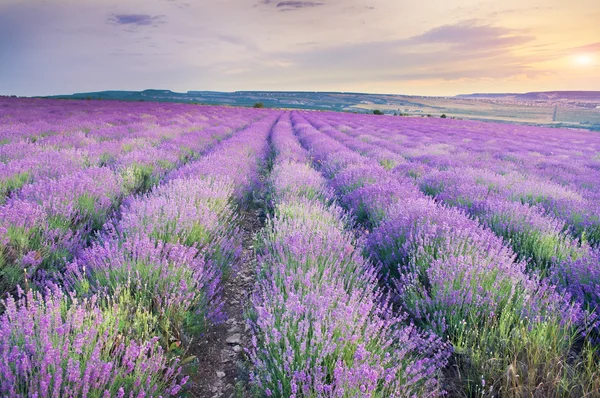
[(63, 346), (170, 280)]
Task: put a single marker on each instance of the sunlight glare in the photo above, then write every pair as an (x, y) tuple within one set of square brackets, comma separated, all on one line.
[(584, 60)]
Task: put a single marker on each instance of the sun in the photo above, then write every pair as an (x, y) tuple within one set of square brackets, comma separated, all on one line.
[(584, 60)]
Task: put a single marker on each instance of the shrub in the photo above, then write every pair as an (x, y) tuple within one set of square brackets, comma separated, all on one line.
[(170, 281), (61, 346)]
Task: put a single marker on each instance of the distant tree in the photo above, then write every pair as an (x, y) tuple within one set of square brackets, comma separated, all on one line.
[(259, 105), (395, 114), (377, 112), (443, 116), (428, 115)]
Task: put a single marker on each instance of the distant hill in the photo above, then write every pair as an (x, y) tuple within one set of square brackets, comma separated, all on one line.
[(318, 100), (272, 99), (593, 96), (157, 95), (579, 109)]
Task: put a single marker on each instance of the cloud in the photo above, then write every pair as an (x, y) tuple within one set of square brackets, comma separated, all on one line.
[(136, 19), (592, 48), (179, 4), (291, 5), (466, 50), (471, 35)]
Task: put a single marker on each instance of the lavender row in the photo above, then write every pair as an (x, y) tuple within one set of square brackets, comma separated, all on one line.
[(565, 187), (77, 123), (320, 326), (569, 158), (535, 235), (538, 237), (149, 145), (50, 220), (167, 255), (582, 216), (153, 281), (457, 279)]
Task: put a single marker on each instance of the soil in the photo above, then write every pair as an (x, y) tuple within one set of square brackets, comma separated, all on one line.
[(221, 359)]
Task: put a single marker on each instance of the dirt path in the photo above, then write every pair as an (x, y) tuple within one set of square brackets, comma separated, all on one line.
[(221, 367)]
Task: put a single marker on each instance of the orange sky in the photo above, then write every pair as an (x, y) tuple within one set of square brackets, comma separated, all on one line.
[(389, 46)]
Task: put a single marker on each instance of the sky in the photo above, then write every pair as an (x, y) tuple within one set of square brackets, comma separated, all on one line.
[(415, 47)]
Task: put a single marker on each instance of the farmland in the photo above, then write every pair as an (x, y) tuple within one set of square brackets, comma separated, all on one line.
[(164, 249)]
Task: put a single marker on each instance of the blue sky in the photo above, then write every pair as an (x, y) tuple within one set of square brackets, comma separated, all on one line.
[(431, 47)]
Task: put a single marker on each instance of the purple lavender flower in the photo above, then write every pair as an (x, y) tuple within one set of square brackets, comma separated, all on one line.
[(320, 325), (64, 346), (171, 280)]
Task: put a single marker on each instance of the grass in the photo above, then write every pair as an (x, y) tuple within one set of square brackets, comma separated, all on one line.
[(512, 357), (151, 290), (388, 164), (13, 183), (540, 249), (139, 178)]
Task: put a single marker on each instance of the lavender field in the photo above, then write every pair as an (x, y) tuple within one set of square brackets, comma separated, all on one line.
[(153, 249)]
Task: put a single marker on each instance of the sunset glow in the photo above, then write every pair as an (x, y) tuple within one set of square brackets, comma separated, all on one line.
[(584, 60), (386, 46)]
